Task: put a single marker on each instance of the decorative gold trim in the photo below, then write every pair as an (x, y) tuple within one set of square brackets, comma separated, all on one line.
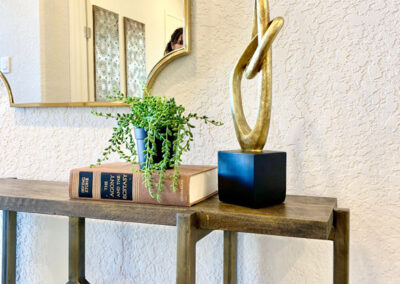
[(76, 104), (3, 79), (256, 58), (151, 78)]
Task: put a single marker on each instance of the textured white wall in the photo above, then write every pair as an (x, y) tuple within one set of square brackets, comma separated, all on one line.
[(335, 111)]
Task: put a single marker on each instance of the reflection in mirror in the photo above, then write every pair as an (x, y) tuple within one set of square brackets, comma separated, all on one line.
[(88, 48), (107, 64), (135, 56)]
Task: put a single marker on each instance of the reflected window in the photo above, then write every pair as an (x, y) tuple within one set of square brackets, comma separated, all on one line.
[(106, 50), (135, 56)]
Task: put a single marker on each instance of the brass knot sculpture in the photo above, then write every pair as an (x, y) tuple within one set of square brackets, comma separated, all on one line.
[(256, 58)]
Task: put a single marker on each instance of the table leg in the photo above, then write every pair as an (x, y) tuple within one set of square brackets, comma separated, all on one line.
[(9, 247), (77, 251), (188, 236), (341, 246), (230, 257)]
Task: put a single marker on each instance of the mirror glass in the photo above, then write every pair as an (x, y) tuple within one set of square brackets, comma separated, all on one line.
[(88, 48)]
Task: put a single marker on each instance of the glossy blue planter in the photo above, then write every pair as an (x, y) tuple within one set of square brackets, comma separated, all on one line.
[(140, 136)]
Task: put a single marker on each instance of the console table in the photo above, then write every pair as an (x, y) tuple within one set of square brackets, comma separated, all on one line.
[(300, 216)]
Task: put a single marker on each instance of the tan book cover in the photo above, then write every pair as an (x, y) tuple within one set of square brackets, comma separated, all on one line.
[(117, 182)]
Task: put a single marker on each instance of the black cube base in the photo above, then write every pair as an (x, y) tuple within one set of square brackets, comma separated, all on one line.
[(252, 179)]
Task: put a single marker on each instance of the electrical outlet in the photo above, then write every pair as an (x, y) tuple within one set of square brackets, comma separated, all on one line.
[(5, 64)]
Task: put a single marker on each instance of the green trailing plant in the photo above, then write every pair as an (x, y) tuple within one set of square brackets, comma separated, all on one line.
[(163, 120)]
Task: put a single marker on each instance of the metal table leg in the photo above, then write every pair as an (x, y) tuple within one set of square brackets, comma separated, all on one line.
[(9, 247), (188, 236), (230, 257), (341, 246), (77, 251)]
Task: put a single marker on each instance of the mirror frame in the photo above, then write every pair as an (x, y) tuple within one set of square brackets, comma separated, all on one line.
[(151, 77), (4, 81)]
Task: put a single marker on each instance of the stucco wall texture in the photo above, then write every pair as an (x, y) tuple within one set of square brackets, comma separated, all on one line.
[(335, 111)]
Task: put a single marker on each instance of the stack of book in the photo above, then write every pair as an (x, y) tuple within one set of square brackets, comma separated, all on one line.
[(116, 181)]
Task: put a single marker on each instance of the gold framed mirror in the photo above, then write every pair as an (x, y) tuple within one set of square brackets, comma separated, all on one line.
[(87, 48)]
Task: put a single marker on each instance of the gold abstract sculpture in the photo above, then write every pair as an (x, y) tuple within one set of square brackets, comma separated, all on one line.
[(256, 58)]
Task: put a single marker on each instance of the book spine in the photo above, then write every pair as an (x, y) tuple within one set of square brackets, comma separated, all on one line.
[(126, 187)]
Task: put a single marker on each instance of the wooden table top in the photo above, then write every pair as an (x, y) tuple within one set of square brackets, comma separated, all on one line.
[(298, 216)]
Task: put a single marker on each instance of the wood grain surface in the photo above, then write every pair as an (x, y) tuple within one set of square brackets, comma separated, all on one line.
[(298, 216)]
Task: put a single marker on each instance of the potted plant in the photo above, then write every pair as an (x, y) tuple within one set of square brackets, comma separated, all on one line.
[(162, 131)]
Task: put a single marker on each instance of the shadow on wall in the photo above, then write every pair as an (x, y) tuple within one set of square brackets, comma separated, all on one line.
[(283, 260), (265, 247), (311, 159)]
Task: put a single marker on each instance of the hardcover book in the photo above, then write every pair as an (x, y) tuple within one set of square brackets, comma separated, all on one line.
[(116, 181)]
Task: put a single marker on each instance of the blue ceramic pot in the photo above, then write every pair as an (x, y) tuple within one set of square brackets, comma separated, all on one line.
[(140, 136)]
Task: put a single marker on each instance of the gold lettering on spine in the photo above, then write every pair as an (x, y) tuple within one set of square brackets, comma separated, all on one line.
[(112, 186), (85, 185), (118, 187), (125, 187)]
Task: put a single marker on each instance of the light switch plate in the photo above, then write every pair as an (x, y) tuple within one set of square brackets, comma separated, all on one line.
[(5, 64)]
